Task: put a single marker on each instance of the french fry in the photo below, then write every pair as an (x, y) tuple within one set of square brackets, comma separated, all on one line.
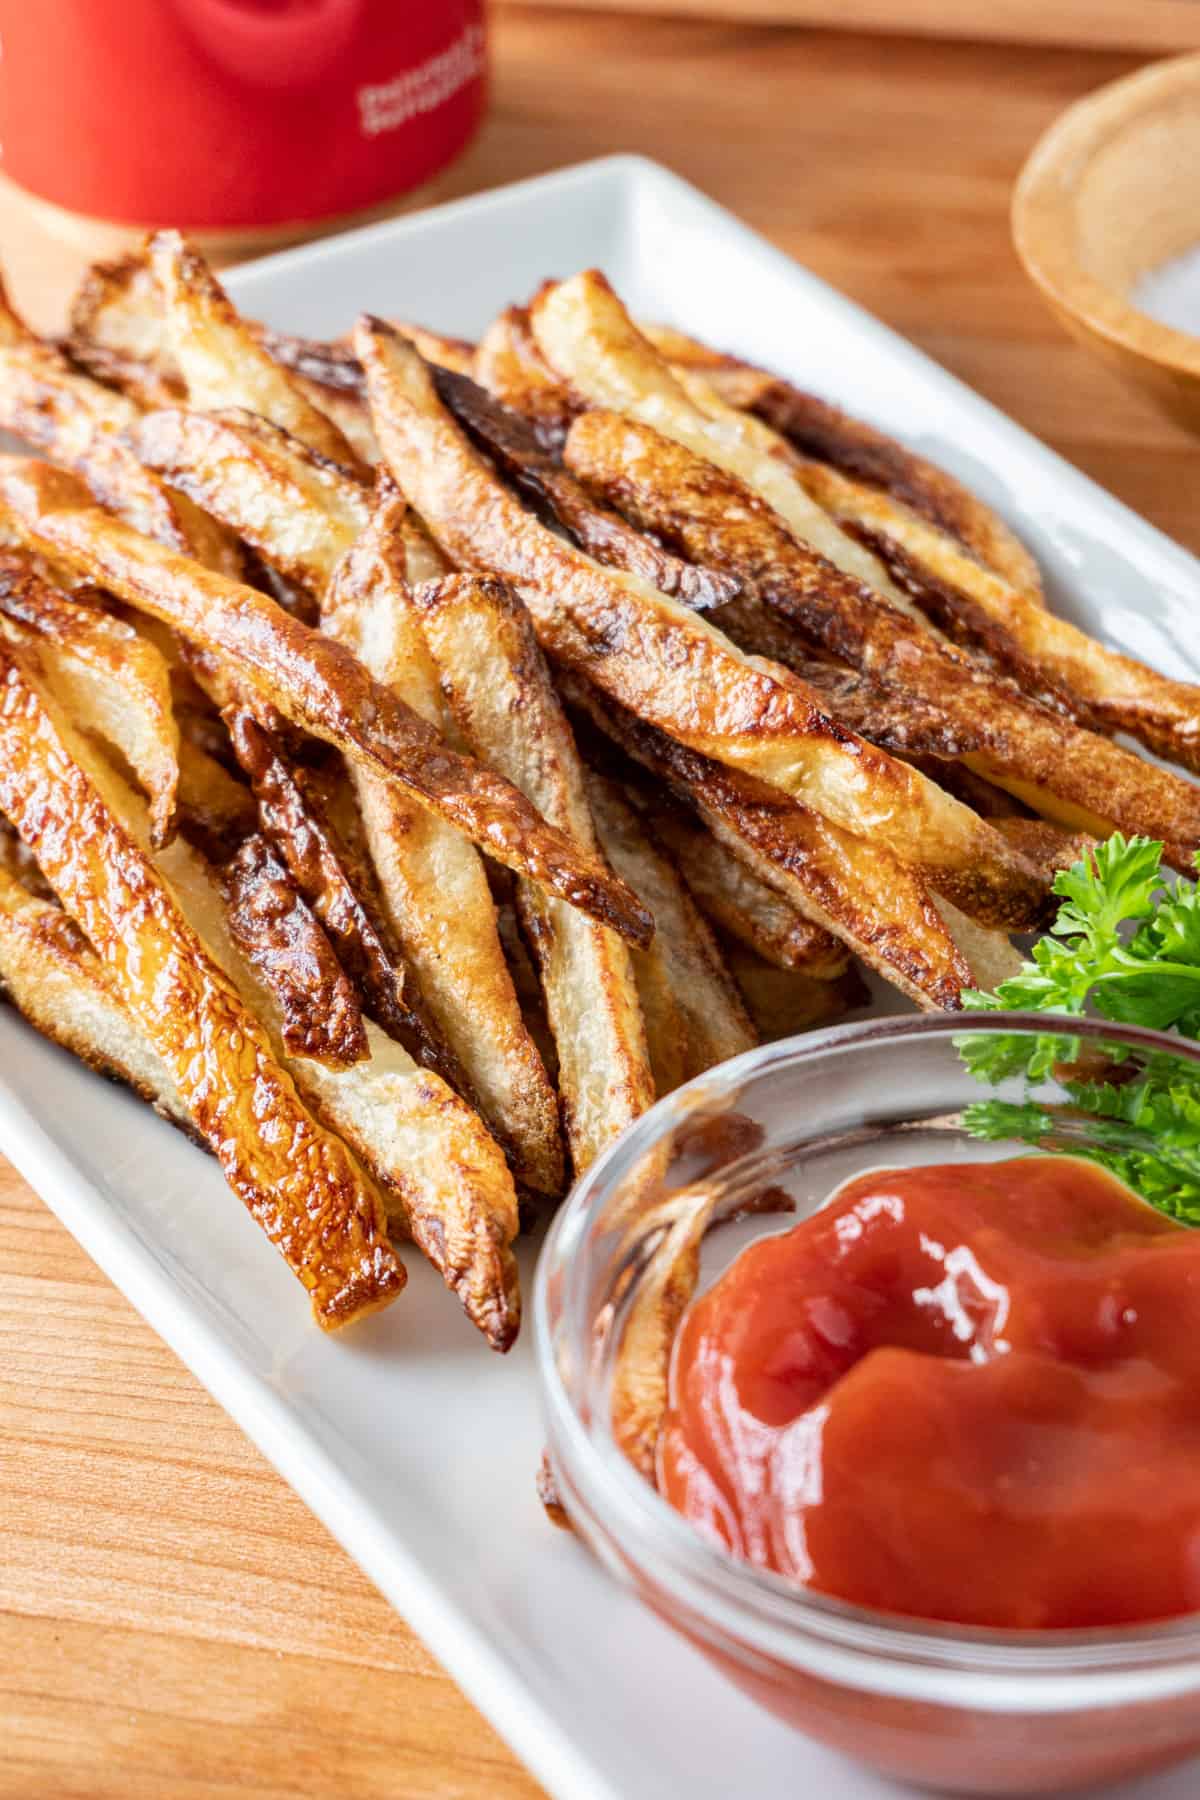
[(868, 899), (331, 377), (886, 713), (333, 367), (434, 886), (512, 443), (745, 908), (693, 1013), (587, 337), (509, 365), (100, 665), (270, 923), (311, 680), (501, 697), (118, 332), (219, 358), (85, 427), (1116, 691), (340, 890), (1049, 847), (958, 619), (665, 663), (674, 1227), (215, 811), (305, 517), (298, 1181), (785, 1002), (443, 1179), (300, 513), (828, 435), (896, 720), (55, 980), (990, 955), (1076, 777), (454, 354)]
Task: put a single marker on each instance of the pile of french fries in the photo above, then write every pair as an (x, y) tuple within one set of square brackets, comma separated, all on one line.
[(416, 756)]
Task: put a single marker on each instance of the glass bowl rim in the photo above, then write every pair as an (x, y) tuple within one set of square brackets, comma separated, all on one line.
[(887, 1653)]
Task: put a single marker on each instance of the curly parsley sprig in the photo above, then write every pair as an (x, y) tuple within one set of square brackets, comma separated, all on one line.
[(1126, 946)]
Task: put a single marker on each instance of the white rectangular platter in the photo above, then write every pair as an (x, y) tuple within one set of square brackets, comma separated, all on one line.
[(414, 1445)]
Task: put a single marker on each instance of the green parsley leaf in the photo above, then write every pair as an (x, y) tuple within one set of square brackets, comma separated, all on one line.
[(1126, 946)]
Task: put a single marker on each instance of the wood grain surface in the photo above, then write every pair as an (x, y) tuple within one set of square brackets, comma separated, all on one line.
[(1144, 25), (172, 1621)]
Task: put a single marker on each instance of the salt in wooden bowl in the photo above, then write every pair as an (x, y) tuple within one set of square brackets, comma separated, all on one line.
[(1106, 219)]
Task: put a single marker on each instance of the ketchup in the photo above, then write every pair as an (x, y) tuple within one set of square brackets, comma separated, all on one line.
[(968, 1392)]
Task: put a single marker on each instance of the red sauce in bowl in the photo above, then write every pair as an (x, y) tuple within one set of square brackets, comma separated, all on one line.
[(968, 1392)]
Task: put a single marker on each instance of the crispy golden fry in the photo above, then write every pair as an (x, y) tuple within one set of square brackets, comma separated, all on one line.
[(744, 907), (988, 801), (957, 618), (313, 681), (693, 1012), (85, 426), (215, 811), (331, 377), (1074, 776), (885, 713), (220, 359), (828, 435), (512, 443), (1048, 847), (509, 365), (664, 1229), (464, 1225), (445, 1182), (527, 985), (298, 511), (455, 354), (297, 1180), (443, 1176), (673, 1227), (434, 885), (349, 413), (894, 719), (333, 880), (1118, 692), (990, 955), (587, 337), (272, 926), (783, 1002), (331, 366), (118, 332), (664, 663), (855, 890), (55, 979), (101, 669), (455, 1199), (502, 699)]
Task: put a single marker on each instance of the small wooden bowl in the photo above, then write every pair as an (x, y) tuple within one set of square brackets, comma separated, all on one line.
[(1109, 193)]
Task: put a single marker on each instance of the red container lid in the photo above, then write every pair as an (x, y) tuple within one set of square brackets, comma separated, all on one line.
[(214, 114)]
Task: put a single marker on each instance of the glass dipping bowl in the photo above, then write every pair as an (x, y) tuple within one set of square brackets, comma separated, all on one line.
[(942, 1706)]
